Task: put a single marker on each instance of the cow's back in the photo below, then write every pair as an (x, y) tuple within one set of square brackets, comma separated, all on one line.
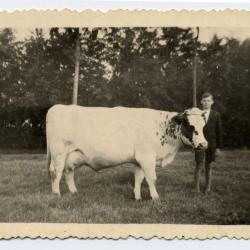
[(104, 121), (103, 134)]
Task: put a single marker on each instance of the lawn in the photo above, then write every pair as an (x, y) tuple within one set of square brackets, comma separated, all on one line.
[(107, 197)]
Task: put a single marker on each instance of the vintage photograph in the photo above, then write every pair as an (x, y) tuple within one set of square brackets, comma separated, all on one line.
[(125, 125)]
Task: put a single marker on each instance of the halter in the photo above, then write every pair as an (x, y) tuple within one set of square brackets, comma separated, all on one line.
[(192, 144)]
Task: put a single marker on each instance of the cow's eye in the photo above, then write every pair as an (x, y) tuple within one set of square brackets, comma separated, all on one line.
[(196, 132)]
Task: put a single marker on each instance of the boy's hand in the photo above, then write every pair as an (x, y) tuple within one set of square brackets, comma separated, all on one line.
[(217, 152)]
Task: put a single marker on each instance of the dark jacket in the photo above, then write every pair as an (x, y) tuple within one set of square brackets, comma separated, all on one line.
[(213, 131)]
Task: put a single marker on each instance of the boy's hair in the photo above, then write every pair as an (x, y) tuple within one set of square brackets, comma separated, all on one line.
[(207, 94)]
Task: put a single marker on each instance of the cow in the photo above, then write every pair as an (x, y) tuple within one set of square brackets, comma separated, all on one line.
[(100, 137)]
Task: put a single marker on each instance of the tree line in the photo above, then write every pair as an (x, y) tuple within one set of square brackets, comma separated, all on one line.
[(133, 67)]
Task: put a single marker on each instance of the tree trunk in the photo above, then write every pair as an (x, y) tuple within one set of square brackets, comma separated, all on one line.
[(77, 65), (195, 81), (195, 70)]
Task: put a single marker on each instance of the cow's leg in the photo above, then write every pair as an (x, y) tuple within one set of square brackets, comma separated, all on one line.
[(147, 162), (74, 159), (69, 178), (150, 176), (56, 170), (139, 176)]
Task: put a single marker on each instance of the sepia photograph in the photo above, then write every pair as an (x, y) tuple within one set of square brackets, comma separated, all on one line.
[(125, 125)]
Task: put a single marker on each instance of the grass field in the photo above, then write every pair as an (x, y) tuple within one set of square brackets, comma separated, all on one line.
[(107, 197)]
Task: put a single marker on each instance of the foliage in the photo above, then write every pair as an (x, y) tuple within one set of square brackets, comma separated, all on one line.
[(135, 67)]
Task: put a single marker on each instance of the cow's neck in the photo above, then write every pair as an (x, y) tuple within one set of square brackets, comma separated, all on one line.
[(171, 134), (170, 139)]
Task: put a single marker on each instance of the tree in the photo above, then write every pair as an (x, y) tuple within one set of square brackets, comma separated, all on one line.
[(91, 71), (134, 67), (10, 68), (195, 69), (77, 65)]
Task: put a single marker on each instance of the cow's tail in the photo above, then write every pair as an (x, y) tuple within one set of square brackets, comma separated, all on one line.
[(48, 149), (48, 161)]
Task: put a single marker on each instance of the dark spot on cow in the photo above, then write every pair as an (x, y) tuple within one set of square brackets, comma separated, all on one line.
[(179, 118), (187, 130), (163, 139), (204, 117), (171, 129), (178, 124)]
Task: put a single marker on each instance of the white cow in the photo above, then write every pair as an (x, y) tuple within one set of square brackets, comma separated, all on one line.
[(106, 137)]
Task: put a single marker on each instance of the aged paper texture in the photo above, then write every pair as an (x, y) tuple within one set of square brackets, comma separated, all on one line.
[(138, 59)]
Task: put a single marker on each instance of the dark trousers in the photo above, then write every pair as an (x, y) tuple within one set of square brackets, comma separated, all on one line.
[(202, 158)]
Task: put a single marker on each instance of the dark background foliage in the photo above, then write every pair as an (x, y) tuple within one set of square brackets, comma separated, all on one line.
[(134, 67)]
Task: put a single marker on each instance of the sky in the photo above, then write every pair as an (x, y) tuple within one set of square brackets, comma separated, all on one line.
[(205, 35), (241, 34)]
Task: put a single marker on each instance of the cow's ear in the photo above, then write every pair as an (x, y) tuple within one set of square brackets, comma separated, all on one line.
[(179, 118)]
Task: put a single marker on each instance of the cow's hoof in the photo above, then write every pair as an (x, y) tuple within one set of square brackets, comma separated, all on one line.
[(138, 198), (73, 191), (156, 198), (207, 191)]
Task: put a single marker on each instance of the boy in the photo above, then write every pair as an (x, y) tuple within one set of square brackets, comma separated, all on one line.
[(213, 134)]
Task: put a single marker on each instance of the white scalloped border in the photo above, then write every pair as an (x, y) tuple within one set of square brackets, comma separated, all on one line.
[(118, 18)]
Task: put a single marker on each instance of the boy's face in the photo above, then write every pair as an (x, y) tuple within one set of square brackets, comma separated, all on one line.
[(207, 102)]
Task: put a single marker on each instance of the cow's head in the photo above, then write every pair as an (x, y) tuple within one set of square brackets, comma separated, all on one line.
[(192, 122)]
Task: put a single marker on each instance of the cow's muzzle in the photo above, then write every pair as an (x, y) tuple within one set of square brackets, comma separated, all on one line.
[(202, 146)]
